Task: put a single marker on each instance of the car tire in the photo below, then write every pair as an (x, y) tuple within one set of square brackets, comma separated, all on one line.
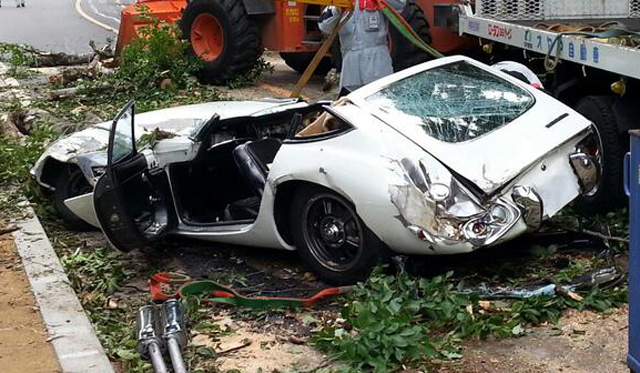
[(300, 61), (614, 145), (70, 183), (224, 29), (346, 251), (403, 53)]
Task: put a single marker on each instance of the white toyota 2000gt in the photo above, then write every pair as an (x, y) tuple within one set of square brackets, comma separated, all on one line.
[(446, 157)]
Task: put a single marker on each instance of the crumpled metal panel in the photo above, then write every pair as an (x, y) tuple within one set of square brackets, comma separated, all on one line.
[(433, 201)]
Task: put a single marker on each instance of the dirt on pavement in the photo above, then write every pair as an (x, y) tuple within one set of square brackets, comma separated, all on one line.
[(24, 345), (581, 342)]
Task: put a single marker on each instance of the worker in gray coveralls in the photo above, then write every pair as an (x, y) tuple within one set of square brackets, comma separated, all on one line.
[(364, 43)]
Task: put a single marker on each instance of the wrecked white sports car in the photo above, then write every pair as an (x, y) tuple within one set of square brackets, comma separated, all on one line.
[(446, 157)]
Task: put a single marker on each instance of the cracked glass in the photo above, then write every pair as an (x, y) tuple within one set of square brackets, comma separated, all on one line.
[(453, 103)]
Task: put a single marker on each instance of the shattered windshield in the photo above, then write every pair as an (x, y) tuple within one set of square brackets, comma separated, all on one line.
[(455, 102)]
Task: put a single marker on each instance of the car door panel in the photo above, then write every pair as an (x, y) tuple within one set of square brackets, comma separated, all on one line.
[(132, 202)]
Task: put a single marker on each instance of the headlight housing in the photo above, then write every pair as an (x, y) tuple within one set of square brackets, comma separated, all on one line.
[(487, 228), (441, 211), (586, 162), (530, 204)]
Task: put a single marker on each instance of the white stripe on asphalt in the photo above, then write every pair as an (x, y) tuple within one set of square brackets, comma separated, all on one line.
[(91, 19), (96, 11)]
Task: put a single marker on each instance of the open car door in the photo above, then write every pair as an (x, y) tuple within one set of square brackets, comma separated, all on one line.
[(133, 203)]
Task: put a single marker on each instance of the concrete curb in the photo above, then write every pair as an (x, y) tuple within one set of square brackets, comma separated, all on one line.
[(73, 338)]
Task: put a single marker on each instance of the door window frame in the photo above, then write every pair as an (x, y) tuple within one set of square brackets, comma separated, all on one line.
[(130, 105)]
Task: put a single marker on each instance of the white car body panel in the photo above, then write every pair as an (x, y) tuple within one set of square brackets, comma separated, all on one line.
[(179, 120), (84, 208), (376, 165), (499, 155)]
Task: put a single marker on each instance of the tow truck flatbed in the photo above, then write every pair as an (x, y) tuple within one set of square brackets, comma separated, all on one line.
[(522, 34)]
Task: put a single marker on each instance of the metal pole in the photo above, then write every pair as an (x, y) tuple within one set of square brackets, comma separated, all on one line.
[(176, 356), (175, 335), (155, 353), (149, 332)]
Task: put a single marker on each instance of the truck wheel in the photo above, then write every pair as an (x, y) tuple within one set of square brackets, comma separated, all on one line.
[(609, 193), (331, 237), (71, 183), (403, 53), (223, 36), (300, 61)]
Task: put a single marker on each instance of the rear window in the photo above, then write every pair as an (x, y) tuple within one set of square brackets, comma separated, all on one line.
[(453, 103)]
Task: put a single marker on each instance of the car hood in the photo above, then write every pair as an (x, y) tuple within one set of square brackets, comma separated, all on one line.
[(495, 158), (180, 120)]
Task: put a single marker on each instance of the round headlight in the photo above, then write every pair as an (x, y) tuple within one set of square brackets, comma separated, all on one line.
[(439, 192), (499, 214)]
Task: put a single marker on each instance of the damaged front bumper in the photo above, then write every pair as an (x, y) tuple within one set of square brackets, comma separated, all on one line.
[(441, 211)]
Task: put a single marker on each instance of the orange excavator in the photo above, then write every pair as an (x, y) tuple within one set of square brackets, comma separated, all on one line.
[(230, 35)]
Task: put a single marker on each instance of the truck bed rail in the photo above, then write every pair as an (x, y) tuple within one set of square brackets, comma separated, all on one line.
[(592, 52)]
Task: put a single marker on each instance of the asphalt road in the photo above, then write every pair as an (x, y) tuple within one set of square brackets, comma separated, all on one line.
[(57, 25)]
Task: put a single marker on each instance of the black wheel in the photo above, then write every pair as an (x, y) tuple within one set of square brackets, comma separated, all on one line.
[(331, 237), (609, 194), (300, 61), (403, 53), (223, 36), (70, 183)]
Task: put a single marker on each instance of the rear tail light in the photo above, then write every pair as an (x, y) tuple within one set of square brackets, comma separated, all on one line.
[(586, 162), (587, 170)]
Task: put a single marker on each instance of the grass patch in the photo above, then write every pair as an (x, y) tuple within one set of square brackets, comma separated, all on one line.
[(19, 57), (399, 321)]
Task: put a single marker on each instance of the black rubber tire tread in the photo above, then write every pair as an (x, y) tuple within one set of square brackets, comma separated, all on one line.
[(610, 194), (61, 193), (373, 246), (403, 53), (242, 43), (300, 61)]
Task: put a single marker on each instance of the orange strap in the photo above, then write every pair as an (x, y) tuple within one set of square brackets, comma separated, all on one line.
[(214, 292)]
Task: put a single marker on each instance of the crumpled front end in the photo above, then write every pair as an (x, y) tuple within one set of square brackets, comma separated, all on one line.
[(68, 148), (441, 209), (444, 214)]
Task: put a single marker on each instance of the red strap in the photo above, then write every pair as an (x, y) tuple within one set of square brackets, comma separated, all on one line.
[(165, 278), (159, 279)]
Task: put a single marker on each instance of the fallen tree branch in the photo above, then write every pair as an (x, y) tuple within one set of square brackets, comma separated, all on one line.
[(70, 92), (63, 93), (236, 348), (324, 364), (604, 236), (8, 229), (104, 53), (60, 59)]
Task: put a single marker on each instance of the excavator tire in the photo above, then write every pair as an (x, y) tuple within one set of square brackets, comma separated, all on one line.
[(403, 53), (223, 36)]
